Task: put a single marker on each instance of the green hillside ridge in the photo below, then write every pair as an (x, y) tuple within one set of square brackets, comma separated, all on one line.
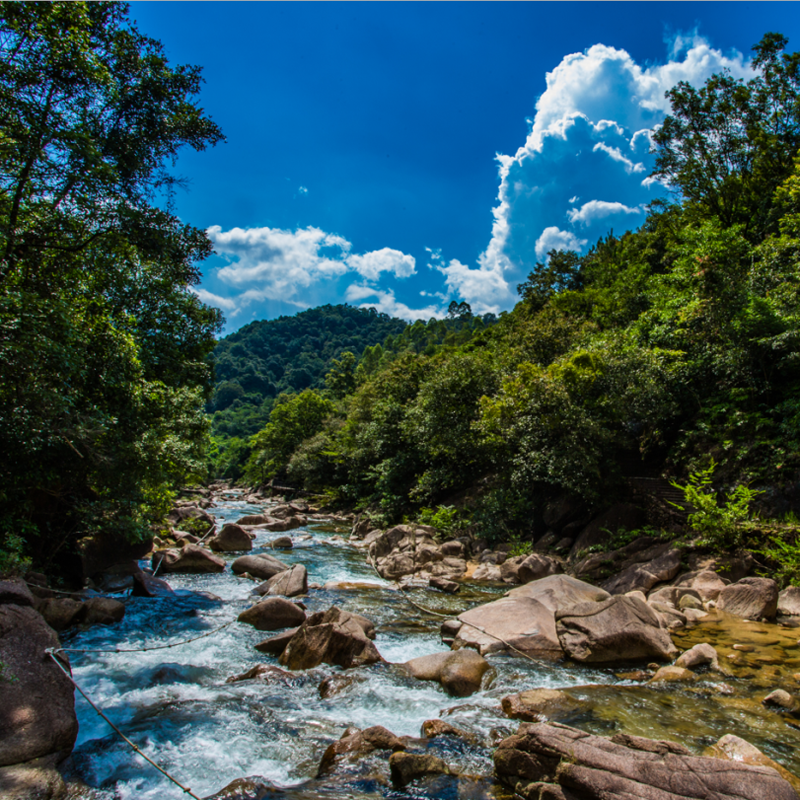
[(670, 348)]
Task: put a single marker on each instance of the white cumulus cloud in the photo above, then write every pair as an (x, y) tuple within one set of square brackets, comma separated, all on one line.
[(554, 239), (370, 265), (598, 209), (277, 264), (388, 303)]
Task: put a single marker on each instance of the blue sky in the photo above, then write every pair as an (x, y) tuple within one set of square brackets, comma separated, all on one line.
[(403, 155)]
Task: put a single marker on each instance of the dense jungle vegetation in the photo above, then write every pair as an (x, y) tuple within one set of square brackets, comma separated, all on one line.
[(103, 345), (662, 348)]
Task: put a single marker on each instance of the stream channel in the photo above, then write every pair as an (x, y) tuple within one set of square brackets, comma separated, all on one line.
[(176, 705)]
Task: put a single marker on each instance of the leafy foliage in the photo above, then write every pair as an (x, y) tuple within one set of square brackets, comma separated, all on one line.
[(103, 345)]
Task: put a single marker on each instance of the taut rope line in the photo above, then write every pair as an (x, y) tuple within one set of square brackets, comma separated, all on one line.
[(186, 790)]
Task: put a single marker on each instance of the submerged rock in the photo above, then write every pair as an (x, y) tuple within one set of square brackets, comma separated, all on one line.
[(552, 761), (539, 705), (407, 767)]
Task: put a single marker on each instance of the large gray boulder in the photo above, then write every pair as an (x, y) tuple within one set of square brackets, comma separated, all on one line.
[(525, 617), (555, 761), (750, 598), (259, 566), (664, 565), (789, 601), (191, 559), (37, 704), (618, 629)]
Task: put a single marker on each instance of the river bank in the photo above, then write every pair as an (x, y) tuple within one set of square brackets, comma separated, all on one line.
[(180, 706)]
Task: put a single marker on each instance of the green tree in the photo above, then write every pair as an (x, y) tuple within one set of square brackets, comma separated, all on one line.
[(103, 345), (293, 419)]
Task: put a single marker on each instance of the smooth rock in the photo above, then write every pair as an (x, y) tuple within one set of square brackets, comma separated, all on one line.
[(145, 585), (780, 698), (673, 674), (33, 780), (750, 598), (14, 592), (407, 767), (191, 559), (644, 576), (60, 613), (275, 645), (230, 539), (539, 705), (282, 543), (618, 629), (581, 765), (289, 583), (525, 617), (273, 614), (697, 656), (37, 704), (460, 672), (707, 583), (789, 601), (261, 566), (102, 611), (487, 572), (444, 585), (253, 519)]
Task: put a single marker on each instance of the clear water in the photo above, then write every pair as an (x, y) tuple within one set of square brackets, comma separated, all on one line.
[(176, 705)]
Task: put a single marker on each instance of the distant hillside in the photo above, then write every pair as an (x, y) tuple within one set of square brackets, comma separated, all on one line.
[(261, 360)]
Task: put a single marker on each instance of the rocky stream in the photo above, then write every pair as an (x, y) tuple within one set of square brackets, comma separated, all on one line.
[(232, 721)]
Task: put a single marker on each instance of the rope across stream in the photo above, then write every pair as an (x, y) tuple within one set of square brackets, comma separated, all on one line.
[(53, 653)]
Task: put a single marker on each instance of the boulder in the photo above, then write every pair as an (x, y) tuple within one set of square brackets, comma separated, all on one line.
[(282, 543), (99, 551), (60, 612), (618, 629), (331, 637), (449, 567), (253, 519), (37, 704), (580, 765), (362, 527), (191, 519), (523, 569), (262, 672), (433, 728), (34, 780), (460, 672), (231, 539), (698, 656), (190, 559), (449, 630), (275, 645), (14, 592), (289, 583), (453, 547), (663, 566), (750, 598), (539, 705), (705, 582), (261, 566), (101, 611), (781, 699), (487, 572), (395, 566), (789, 601), (145, 585), (670, 616), (287, 524), (407, 767), (273, 614), (444, 585), (525, 617), (733, 748)]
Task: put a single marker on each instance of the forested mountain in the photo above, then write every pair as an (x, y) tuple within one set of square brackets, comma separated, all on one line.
[(676, 345)]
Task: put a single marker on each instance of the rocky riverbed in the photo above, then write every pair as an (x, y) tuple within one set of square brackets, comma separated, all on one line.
[(311, 716)]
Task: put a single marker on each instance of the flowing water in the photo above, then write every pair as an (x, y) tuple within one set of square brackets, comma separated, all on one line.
[(176, 705)]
